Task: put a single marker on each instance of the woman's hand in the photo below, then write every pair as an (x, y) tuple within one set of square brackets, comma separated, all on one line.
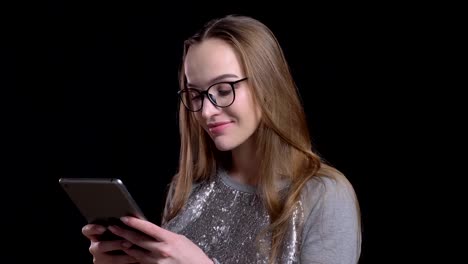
[(157, 245), (104, 251)]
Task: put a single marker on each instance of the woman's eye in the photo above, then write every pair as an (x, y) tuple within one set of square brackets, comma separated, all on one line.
[(224, 92), (197, 97)]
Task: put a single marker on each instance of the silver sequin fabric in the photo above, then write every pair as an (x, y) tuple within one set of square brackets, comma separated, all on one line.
[(225, 219)]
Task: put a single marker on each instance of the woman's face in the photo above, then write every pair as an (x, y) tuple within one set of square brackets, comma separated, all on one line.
[(210, 62)]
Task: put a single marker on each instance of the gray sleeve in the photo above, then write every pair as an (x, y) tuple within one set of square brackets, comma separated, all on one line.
[(332, 233)]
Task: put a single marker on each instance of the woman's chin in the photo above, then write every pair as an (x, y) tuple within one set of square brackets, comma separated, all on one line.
[(223, 145), (223, 148)]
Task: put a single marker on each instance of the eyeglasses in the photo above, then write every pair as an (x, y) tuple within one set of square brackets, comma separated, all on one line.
[(220, 94)]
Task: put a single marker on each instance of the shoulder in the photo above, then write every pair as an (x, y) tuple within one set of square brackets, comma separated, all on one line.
[(328, 190), (332, 229), (330, 204)]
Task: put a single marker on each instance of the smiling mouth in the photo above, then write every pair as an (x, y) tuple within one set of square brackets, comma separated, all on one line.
[(218, 128)]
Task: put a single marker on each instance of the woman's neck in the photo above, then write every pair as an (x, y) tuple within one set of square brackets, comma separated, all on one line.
[(244, 167)]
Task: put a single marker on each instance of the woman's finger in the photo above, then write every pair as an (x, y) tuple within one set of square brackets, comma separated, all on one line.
[(101, 247), (92, 231), (140, 239), (148, 228), (118, 259)]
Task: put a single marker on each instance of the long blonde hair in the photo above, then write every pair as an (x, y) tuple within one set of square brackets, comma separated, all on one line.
[(282, 138)]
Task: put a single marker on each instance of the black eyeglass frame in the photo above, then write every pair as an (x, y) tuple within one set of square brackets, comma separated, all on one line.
[(205, 93)]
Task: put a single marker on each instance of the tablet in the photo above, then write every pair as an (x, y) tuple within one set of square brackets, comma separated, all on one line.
[(101, 200)]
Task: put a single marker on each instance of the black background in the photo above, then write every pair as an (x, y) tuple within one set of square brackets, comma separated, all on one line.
[(94, 95)]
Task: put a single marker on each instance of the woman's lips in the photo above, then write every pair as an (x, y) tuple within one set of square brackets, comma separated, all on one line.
[(218, 128)]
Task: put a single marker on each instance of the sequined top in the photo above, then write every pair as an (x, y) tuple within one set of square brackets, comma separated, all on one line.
[(225, 219)]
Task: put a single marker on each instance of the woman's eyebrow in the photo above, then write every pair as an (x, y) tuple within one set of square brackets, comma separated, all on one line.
[(215, 79)]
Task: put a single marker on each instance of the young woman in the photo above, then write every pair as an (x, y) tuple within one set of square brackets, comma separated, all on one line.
[(249, 188)]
